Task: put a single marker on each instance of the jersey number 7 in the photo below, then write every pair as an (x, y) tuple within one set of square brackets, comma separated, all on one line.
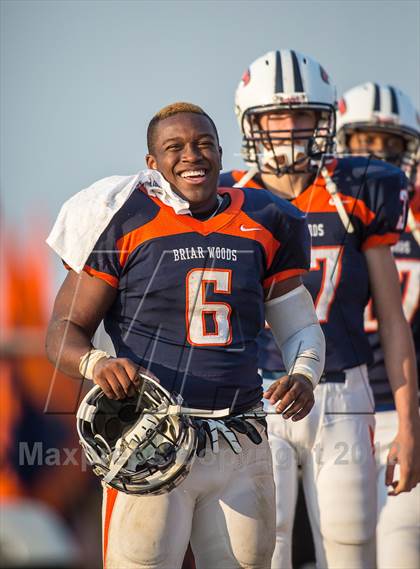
[(329, 259), (409, 273)]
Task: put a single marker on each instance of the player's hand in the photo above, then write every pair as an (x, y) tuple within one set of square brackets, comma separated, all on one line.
[(296, 396), (117, 377), (405, 451)]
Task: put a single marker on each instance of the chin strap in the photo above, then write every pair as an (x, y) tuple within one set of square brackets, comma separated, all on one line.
[(246, 177), (130, 442), (139, 432)]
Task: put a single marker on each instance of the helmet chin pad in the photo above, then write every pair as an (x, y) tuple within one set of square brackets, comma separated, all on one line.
[(284, 156), (292, 150)]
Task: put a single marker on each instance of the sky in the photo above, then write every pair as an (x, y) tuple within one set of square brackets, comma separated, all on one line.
[(80, 80)]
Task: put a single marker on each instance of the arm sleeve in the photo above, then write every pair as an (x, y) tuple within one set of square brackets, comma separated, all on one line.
[(387, 198), (293, 255), (295, 327)]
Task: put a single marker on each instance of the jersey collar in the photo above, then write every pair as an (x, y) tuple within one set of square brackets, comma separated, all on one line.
[(304, 199), (213, 224)]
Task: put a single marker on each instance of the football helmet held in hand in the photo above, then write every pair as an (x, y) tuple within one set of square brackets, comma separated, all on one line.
[(139, 445)]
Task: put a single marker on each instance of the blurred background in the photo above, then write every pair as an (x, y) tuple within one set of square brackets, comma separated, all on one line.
[(80, 81)]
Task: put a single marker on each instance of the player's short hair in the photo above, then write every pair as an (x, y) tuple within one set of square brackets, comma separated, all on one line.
[(170, 111)]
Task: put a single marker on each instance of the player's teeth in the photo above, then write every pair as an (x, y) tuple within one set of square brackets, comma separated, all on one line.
[(191, 173)]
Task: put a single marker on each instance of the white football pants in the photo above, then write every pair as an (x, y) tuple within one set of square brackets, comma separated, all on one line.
[(225, 507), (334, 446), (398, 530)]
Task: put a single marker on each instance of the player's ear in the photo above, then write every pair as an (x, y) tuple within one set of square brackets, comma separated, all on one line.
[(220, 159), (151, 162)]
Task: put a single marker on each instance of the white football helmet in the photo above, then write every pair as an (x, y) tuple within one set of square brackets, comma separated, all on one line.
[(285, 80), (139, 445), (383, 108)]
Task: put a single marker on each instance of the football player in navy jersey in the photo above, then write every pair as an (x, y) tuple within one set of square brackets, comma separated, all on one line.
[(356, 209), (380, 120), (183, 276)]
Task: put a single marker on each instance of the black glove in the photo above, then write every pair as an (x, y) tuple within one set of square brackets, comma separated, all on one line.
[(210, 429)]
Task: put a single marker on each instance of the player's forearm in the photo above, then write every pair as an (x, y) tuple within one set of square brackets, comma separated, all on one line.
[(396, 339), (295, 327), (66, 343), (401, 369)]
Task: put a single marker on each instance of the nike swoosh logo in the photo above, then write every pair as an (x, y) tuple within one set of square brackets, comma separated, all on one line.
[(243, 228)]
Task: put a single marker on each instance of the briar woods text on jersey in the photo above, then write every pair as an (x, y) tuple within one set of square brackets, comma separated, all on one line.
[(187, 253), (316, 229)]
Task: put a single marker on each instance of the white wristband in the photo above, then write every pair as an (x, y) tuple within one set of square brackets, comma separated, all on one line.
[(89, 361)]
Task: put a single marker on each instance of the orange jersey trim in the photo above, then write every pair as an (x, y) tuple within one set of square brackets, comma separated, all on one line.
[(213, 224), (167, 223), (160, 226), (378, 240), (282, 276), (111, 280), (243, 226), (111, 496), (316, 199)]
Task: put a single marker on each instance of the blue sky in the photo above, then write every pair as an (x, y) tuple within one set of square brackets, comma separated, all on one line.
[(81, 79)]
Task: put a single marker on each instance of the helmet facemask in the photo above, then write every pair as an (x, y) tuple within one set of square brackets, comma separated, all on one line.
[(153, 448), (374, 109), (406, 160), (287, 151)]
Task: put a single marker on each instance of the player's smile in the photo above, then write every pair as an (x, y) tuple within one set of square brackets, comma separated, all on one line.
[(187, 152), (194, 175)]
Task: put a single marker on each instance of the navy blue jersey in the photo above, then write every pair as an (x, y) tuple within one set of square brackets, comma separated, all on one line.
[(407, 258), (190, 301), (373, 194)]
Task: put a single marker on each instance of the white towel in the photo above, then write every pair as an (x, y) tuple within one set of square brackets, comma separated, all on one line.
[(158, 187), (84, 216)]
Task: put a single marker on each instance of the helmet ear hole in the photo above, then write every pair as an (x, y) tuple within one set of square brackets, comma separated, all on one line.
[(112, 430), (113, 417), (128, 413), (107, 406)]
